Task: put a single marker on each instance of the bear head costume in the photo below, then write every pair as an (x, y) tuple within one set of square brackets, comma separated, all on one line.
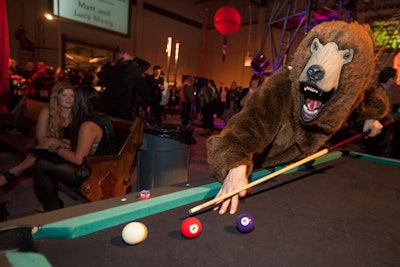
[(302, 105)]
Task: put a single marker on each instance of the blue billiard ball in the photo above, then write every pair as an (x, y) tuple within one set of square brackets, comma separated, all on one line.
[(245, 223)]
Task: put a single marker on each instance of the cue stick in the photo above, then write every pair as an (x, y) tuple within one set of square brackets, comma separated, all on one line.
[(357, 136), (285, 169), (259, 181)]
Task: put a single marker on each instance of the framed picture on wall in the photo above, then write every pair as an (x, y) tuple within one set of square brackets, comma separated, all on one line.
[(85, 55)]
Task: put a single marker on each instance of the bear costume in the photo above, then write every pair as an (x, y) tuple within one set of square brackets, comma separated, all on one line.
[(302, 105)]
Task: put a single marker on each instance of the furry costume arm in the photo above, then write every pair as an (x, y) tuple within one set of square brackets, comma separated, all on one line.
[(375, 105), (247, 133)]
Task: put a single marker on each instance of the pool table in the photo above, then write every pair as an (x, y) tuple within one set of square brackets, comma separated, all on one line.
[(342, 209)]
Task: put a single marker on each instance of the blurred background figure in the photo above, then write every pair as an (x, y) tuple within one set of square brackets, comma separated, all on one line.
[(188, 100), (382, 144), (255, 81), (208, 102), (119, 80), (232, 105), (156, 87)]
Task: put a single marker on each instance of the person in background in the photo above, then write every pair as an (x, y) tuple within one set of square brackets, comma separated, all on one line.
[(13, 98), (255, 81), (92, 133), (141, 96), (208, 102), (222, 103), (382, 145), (165, 96), (28, 71), (232, 102), (43, 80), (52, 127), (119, 80), (188, 100), (156, 87)]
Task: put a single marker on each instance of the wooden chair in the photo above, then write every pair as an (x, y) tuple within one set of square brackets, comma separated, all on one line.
[(12, 119), (110, 175)]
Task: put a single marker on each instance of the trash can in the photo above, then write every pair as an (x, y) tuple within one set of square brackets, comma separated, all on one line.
[(163, 157)]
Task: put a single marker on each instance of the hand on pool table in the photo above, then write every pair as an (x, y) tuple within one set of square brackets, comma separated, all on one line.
[(374, 125), (235, 179)]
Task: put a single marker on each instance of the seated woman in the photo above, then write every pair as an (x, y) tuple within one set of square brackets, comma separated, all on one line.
[(51, 128), (92, 133)]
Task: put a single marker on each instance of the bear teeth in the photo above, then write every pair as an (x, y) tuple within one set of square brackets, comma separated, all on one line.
[(311, 89)]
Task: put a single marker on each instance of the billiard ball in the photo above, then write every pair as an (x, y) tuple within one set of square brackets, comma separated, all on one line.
[(191, 227), (245, 223), (134, 233)]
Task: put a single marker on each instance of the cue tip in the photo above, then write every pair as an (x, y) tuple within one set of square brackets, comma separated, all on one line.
[(194, 210)]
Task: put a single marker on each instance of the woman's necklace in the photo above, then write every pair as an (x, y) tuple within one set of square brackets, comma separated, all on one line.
[(65, 121)]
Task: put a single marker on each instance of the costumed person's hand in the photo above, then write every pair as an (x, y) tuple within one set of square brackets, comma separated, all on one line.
[(235, 179), (374, 125)]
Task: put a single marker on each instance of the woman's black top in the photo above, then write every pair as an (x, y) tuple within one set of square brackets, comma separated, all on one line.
[(107, 143)]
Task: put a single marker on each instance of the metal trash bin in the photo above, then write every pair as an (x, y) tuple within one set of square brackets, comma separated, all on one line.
[(163, 158)]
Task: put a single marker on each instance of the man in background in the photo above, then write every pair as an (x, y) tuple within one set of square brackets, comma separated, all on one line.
[(119, 82)]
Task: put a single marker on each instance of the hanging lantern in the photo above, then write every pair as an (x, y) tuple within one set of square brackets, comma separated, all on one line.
[(227, 20)]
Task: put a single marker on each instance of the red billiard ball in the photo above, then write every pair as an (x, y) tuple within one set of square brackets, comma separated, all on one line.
[(191, 227), (245, 223)]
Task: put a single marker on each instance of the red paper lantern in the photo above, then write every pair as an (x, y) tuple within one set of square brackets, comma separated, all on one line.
[(227, 20)]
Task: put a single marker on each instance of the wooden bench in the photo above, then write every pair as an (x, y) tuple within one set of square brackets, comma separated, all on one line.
[(28, 112), (110, 175)]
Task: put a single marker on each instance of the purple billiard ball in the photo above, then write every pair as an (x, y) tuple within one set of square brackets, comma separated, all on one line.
[(245, 223)]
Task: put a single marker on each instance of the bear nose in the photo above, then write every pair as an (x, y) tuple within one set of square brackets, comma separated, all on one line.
[(315, 73)]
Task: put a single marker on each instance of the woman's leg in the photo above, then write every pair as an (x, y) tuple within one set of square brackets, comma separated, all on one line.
[(47, 176), (17, 170), (26, 164)]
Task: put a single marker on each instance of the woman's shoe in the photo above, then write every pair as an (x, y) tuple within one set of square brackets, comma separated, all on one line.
[(10, 177)]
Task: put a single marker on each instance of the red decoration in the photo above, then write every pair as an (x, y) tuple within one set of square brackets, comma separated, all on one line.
[(227, 20)]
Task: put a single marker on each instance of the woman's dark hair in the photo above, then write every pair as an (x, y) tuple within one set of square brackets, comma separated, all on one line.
[(88, 103), (258, 77)]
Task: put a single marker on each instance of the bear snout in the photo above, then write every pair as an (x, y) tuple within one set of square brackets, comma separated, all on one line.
[(315, 73)]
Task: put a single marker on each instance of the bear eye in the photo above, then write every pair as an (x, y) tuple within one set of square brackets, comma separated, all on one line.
[(347, 55)]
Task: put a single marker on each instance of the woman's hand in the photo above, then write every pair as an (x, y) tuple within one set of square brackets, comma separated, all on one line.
[(53, 148)]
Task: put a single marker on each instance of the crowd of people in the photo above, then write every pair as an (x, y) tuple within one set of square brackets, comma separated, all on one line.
[(129, 90)]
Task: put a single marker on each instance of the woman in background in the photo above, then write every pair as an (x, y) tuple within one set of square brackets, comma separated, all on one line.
[(52, 127), (92, 133)]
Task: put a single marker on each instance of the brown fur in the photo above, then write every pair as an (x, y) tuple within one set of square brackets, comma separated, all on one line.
[(269, 129)]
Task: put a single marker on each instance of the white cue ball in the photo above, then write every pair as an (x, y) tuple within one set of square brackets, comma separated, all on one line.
[(134, 233)]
